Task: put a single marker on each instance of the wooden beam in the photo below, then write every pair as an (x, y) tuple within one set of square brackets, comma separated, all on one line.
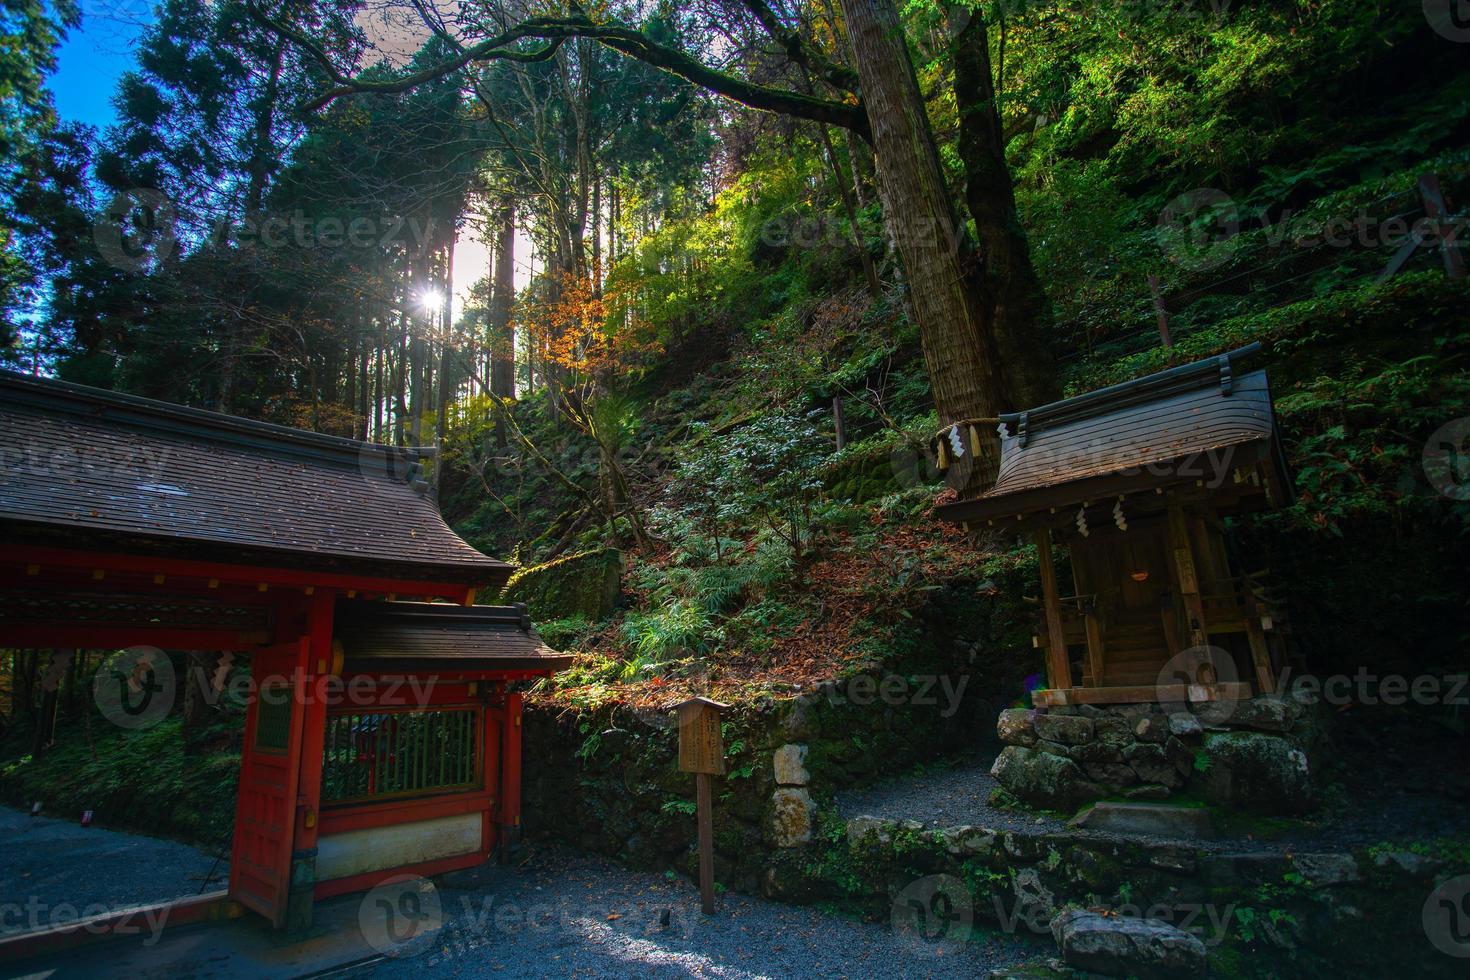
[(1260, 653), (103, 636), (253, 575), (1058, 668), (1092, 623), (1186, 575), (1143, 693)]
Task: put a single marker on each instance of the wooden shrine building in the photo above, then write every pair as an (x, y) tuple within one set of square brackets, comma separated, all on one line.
[(382, 733), (1134, 481)]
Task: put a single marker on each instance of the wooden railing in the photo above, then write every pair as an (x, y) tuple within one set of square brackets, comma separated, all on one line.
[(373, 755)]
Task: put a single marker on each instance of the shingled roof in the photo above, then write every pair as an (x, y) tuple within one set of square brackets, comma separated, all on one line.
[(420, 636), (1196, 423), (84, 467)]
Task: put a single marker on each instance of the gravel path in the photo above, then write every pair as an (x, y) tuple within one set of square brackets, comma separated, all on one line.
[(52, 871), (1405, 782), (944, 796), (567, 914)]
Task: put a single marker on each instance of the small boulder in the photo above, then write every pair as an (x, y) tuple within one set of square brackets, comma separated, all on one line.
[(966, 841), (1147, 819), (792, 814), (1406, 862), (1266, 713), (1327, 870), (1180, 756), (1184, 724), (1122, 946), (1017, 726), (788, 763), (876, 830), (585, 584), (1066, 729), (1053, 748), (1152, 765), (1258, 772), (1151, 728), (1173, 857), (1095, 752), (1112, 730), (1043, 779)]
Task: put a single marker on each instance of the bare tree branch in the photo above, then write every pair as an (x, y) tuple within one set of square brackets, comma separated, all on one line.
[(555, 30)]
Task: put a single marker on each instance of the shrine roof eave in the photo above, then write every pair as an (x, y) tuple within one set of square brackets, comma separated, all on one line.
[(1189, 470)]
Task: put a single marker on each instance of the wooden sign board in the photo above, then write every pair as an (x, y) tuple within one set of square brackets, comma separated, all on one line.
[(701, 743), (702, 752)]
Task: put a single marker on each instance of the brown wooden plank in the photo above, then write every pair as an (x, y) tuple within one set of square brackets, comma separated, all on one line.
[(1058, 668), (1260, 653), (1186, 575), (1140, 693), (705, 807), (1095, 657)]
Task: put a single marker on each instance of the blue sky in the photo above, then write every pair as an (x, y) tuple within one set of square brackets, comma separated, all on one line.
[(93, 58)]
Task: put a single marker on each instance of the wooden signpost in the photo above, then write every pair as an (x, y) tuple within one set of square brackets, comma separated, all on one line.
[(702, 752)]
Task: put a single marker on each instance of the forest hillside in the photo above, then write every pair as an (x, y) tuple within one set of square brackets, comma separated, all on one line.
[(743, 265)]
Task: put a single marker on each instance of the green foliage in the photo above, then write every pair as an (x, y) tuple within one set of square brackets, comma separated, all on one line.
[(1359, 435), (678, 629), (132, 778), (766, 470)]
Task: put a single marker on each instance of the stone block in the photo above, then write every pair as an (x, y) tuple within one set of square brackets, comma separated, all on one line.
[(788, 763), (1017, 726), (1066, 729), (1147, 819), (792, 815), (1123, 946)]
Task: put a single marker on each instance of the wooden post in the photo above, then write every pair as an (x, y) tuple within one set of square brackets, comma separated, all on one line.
[(837, 422), (1094, 627), (1058, 669), (1260, 653), (702, 752), (706, 843), (1187, 577), (1160, 311), (1438, 214), (316, 663)]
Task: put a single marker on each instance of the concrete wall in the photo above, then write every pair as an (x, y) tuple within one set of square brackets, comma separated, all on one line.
[(379, 848)]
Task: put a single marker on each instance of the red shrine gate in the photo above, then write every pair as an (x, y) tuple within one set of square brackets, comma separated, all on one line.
[(383, 728)]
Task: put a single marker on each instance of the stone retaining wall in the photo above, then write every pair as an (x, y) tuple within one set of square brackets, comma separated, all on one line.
[(1262, 756), (1259, 913)]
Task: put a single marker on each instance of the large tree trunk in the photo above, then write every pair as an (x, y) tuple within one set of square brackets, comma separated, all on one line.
[(502, 333), (1016, 303), (199, 667), (955, 335)]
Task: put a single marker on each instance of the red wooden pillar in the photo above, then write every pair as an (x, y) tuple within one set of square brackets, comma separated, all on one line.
[(510, 775), (315, 667)]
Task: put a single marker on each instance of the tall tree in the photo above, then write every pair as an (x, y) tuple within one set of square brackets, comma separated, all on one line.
[(30, 32), (963, 333)]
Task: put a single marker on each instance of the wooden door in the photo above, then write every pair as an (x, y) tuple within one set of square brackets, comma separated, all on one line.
[(270, 770), (1132, 574)]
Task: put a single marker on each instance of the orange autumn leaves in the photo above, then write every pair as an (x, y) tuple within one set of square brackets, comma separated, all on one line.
[(575, 331)]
